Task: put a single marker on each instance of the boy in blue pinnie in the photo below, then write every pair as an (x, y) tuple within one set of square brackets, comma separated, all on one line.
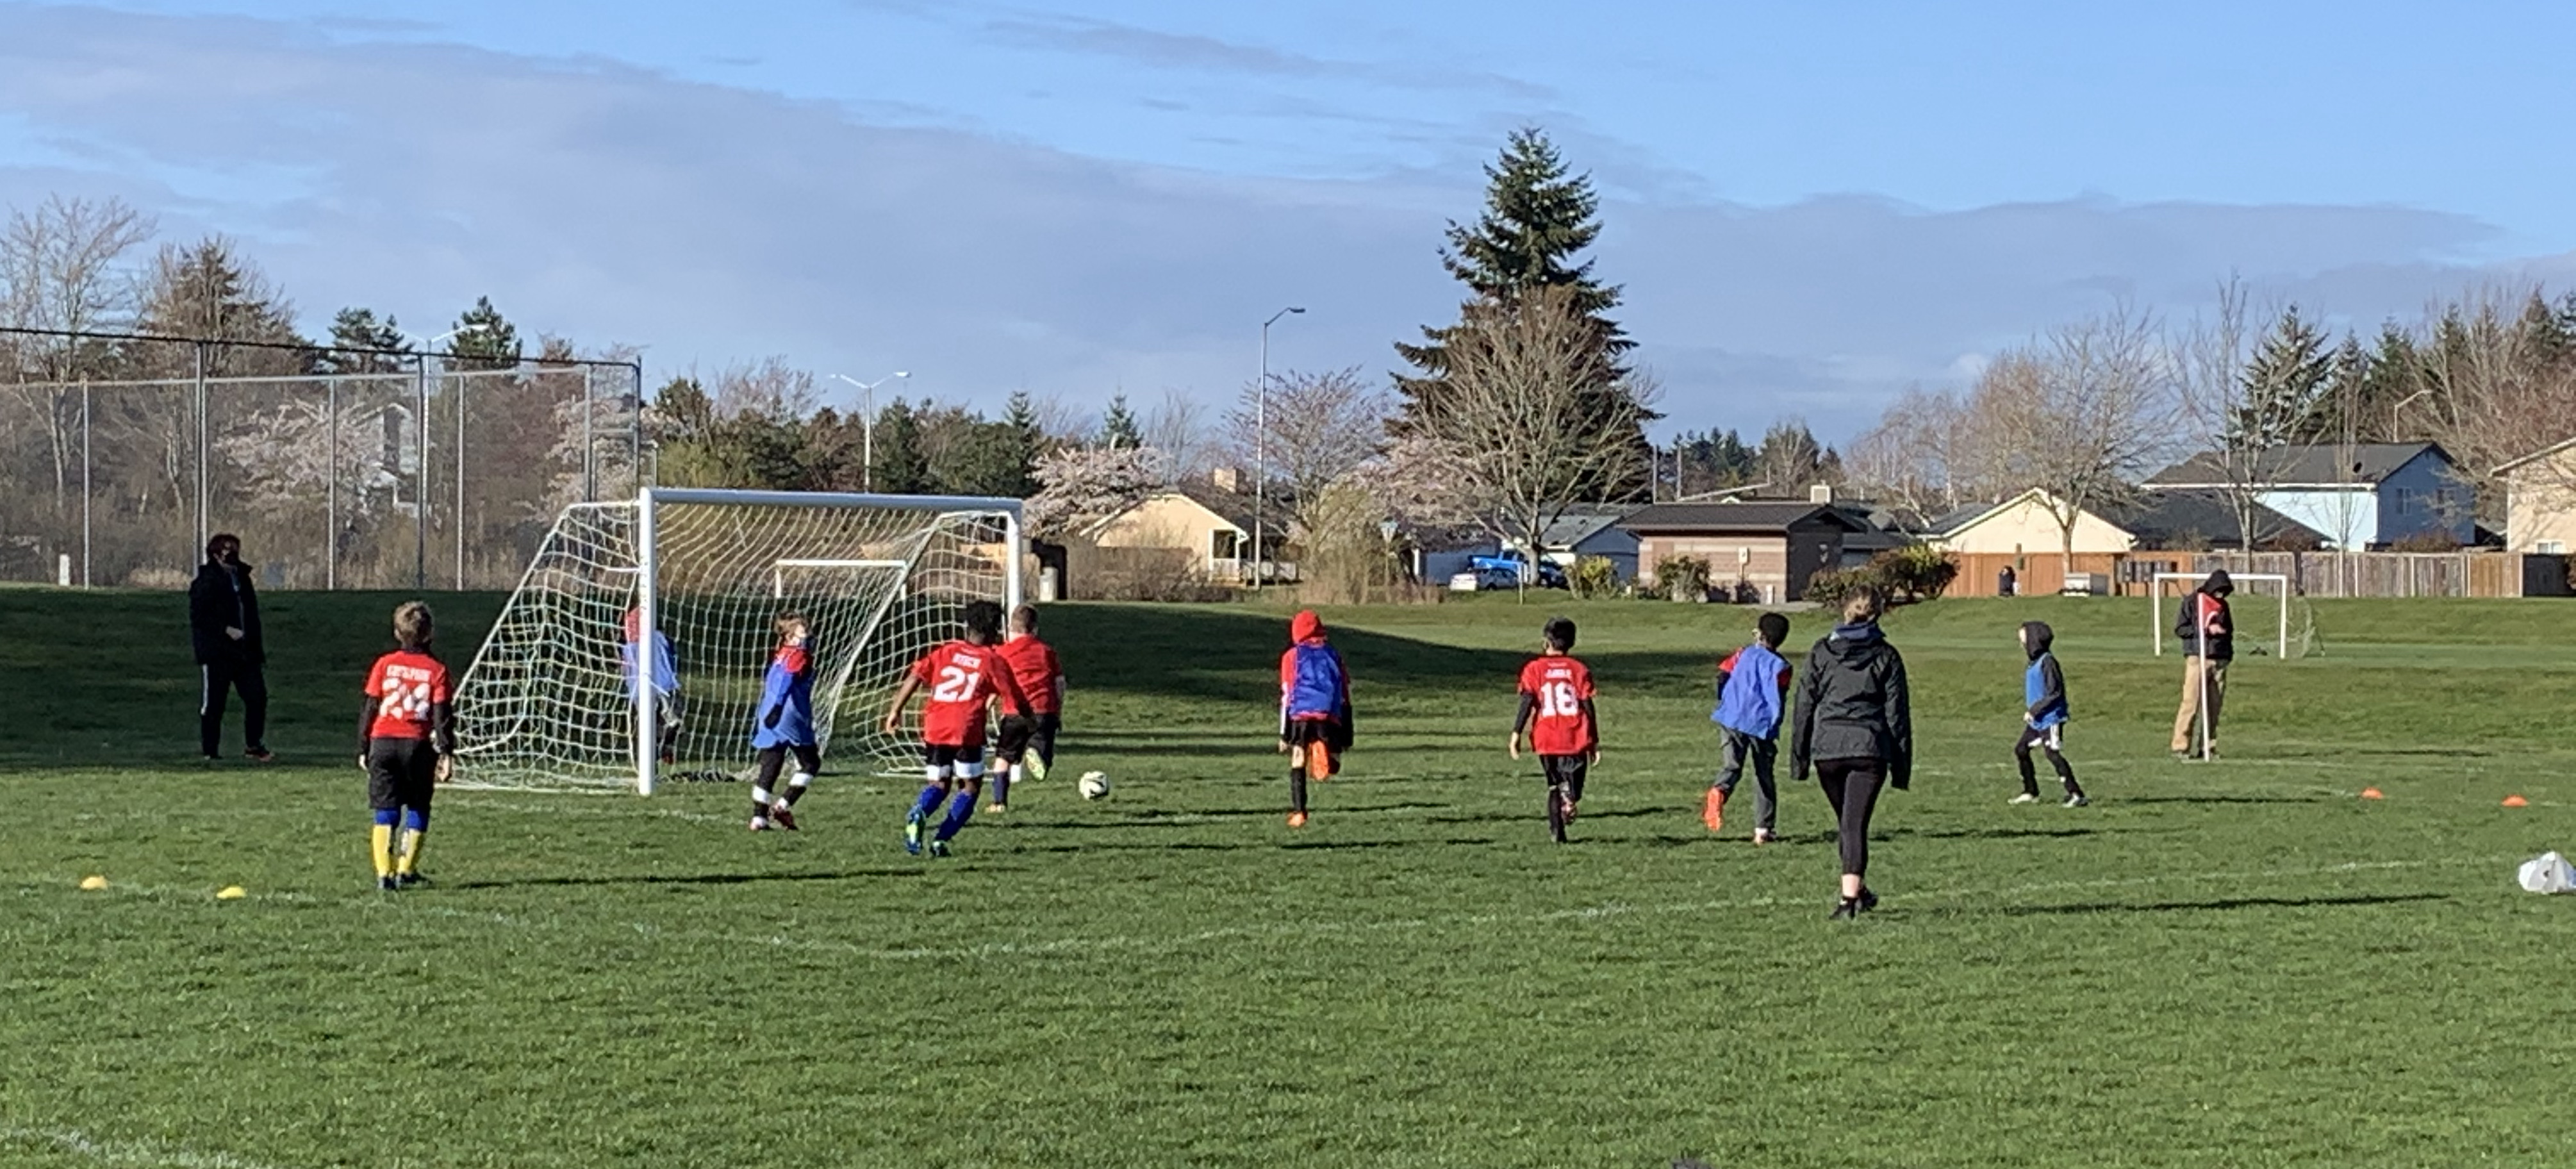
[(2044, 714), (1752, 696)]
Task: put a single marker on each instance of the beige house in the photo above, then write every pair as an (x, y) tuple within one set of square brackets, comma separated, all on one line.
[(2540, 501), (1207, 522), (2024, 526)]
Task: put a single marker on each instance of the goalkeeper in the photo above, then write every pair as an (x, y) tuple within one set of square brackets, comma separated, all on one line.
[(664, 678), (781, 724)]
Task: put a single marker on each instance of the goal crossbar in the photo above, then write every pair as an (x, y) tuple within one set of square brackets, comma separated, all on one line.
[(2156, 605)]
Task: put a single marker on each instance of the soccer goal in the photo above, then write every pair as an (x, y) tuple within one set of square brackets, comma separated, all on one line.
[(634, 648), (2263, 600)]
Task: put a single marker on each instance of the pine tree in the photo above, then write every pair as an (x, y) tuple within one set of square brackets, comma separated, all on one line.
[(208, 291), (358, 329), (484, 339), (1022, 441), (1118, 428), (2395, 373), (900, 467), (1790, 459), (2283, 396)]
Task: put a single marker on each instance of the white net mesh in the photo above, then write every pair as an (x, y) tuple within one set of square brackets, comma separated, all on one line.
[(2272, 617), (549, 701)]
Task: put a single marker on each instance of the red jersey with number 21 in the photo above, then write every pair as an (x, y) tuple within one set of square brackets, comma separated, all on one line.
[(1560, 686), (960, 679)]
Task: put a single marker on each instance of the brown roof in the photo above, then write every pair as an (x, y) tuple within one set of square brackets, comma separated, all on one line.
[(1736, 518)]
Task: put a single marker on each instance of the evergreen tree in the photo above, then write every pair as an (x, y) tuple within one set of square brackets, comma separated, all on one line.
[(485, 339), (1022, 440), (2395, 373), (1790, 459), (208, 291), (2283, 395), (1118, 428), (358, 328), (900, 467)]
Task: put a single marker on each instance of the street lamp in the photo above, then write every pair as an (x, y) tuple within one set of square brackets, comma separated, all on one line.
[(1261, 448), (2395, 434), (868, 425)]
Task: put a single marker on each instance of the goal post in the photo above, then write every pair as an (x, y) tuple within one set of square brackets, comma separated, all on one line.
[(2157, 634), (636, 643)]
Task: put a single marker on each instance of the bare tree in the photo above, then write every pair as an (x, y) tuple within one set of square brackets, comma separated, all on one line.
[(1321, 427), (2225, 410), (2081, 415), (2500, 381), (1920, 456), (1176, 429), (62, 268), (769, 388), (1524, 418)]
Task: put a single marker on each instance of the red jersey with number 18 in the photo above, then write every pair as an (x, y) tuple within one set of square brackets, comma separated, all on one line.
[(1560, 686), (959, 679)]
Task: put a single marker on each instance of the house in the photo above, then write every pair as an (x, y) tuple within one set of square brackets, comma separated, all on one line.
[(2022, 533), (1208, 521), (2364, 495), (1764, 551), (1588, 530), (2540, 500)]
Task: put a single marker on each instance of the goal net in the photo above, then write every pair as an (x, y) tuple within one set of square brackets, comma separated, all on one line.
[(2271, 617), (635, 647)]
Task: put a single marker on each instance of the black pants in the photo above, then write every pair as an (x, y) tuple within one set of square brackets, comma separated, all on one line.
[(2051, 742), (1851, 786), (215, 680)]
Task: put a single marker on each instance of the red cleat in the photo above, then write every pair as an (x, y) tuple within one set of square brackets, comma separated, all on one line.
[(1712, 811)]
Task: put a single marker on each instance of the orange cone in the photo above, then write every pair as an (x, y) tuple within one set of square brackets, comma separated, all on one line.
[(2372, 793), (2516, 802)]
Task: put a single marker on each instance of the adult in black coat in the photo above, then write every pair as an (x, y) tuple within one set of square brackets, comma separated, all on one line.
[(2207, 631), (1855, 726), (223, 627)]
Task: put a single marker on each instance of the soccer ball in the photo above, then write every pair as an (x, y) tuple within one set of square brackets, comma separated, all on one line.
[(1094, 784)]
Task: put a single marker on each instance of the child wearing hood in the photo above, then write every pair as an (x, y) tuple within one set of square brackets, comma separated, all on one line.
[(2043, 717), (1314, 709)]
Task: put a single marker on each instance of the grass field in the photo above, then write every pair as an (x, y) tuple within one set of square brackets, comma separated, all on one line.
[(2230, 964)]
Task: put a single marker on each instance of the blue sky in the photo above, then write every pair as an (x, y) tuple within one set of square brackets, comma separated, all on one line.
[(1811, 206)]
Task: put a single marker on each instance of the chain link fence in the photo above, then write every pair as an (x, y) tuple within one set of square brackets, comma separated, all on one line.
[(338, 468)]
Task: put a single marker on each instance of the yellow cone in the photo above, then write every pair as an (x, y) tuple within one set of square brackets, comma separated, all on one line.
[(231, 893), (93, 882)]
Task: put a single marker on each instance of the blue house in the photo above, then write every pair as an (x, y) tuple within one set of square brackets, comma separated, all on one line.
[(1588, 531), (2358, 496)]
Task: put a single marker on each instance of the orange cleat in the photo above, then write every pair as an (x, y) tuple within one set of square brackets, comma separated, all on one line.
[(1712, 811), (1296, 819)]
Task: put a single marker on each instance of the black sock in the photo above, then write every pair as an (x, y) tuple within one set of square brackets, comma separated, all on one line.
[(1556, 798), (1297, 789), (2029, 775)]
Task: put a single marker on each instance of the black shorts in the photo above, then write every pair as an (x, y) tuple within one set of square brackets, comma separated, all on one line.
[(401, 773), (1305, 731), (2049, 739), (1021, 734), (1565, 770), (944, 755)]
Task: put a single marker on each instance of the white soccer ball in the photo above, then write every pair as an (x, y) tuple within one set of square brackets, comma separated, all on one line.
[(1093, 785)]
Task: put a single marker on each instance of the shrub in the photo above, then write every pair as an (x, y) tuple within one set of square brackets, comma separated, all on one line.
[(1830, 586), (1682, 578), (1916, 571), (1593, 577)]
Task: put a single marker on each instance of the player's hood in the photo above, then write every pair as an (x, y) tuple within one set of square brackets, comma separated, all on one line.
[(1306, 627), (2035, 636), (2218, 584)]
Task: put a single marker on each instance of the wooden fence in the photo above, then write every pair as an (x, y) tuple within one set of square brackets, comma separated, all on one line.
[(2314, 574)]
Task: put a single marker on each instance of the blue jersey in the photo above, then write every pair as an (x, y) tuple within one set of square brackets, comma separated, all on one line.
[(2043, 692), (666, 668), (1756, 692), (1313, 684), (785, 716)]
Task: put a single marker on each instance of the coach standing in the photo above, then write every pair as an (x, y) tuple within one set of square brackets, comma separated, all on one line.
[(223, 625), (2208, 635)]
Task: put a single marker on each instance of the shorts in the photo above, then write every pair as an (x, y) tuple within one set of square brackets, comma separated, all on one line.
[(1020, 735), (944, 759), (2049, 739), (401, 773), (1309, 731), (1565, 770)]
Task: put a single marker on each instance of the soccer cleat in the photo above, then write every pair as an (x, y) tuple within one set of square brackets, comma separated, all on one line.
[(2077, 800), (2025, 798), (997, 809), (260, 755), (409, 880), (1845, 910), (1868, 900), (939, 848), (387, 884), (1764, 836), (1296, 819), (760, 823), (780, 817), (912, 833), (1712, 810), (1036, 766)]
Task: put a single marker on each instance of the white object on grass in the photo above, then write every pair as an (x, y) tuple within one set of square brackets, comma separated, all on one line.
[(2548, 873), (1094, 785), (2291, 639)]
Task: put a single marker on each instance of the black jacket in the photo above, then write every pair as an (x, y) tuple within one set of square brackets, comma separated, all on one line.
[(223, 598), (1852, 705), (2208, 602)]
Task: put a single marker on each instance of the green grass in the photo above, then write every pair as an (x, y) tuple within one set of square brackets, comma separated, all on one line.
[(2232, 964)]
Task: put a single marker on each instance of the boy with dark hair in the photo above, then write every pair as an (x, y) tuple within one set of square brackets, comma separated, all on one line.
[(1314, 709), (963, 677), (1026, 744), (1556, 710), (784, 723), (1752, 695), (2043, 717), (405, 739)]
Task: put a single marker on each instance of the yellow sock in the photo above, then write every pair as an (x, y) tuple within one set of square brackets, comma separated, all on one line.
[(381, 844), (409, 862)]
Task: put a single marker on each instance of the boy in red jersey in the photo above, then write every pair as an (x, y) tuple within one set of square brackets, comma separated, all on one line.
[(1314, 709), (963, 678), (405, 737), (1556, 710), (1026, 744)]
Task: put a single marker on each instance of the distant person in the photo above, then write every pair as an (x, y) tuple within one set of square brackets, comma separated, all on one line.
[(962, 679), (2208, 635), (1314, 709), (1025, 746), (664, 677), (406, 738), (1752, 697), (2043, 717), (223, 627), (1854, 725), (783, 723), (1556, 711)]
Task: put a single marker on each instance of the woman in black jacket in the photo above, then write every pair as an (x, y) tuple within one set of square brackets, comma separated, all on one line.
[(1854, 726)]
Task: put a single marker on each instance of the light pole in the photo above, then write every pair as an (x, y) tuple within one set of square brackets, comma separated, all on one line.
[(2395, 434), (1261, 448), (868, 426), (430, 349)]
